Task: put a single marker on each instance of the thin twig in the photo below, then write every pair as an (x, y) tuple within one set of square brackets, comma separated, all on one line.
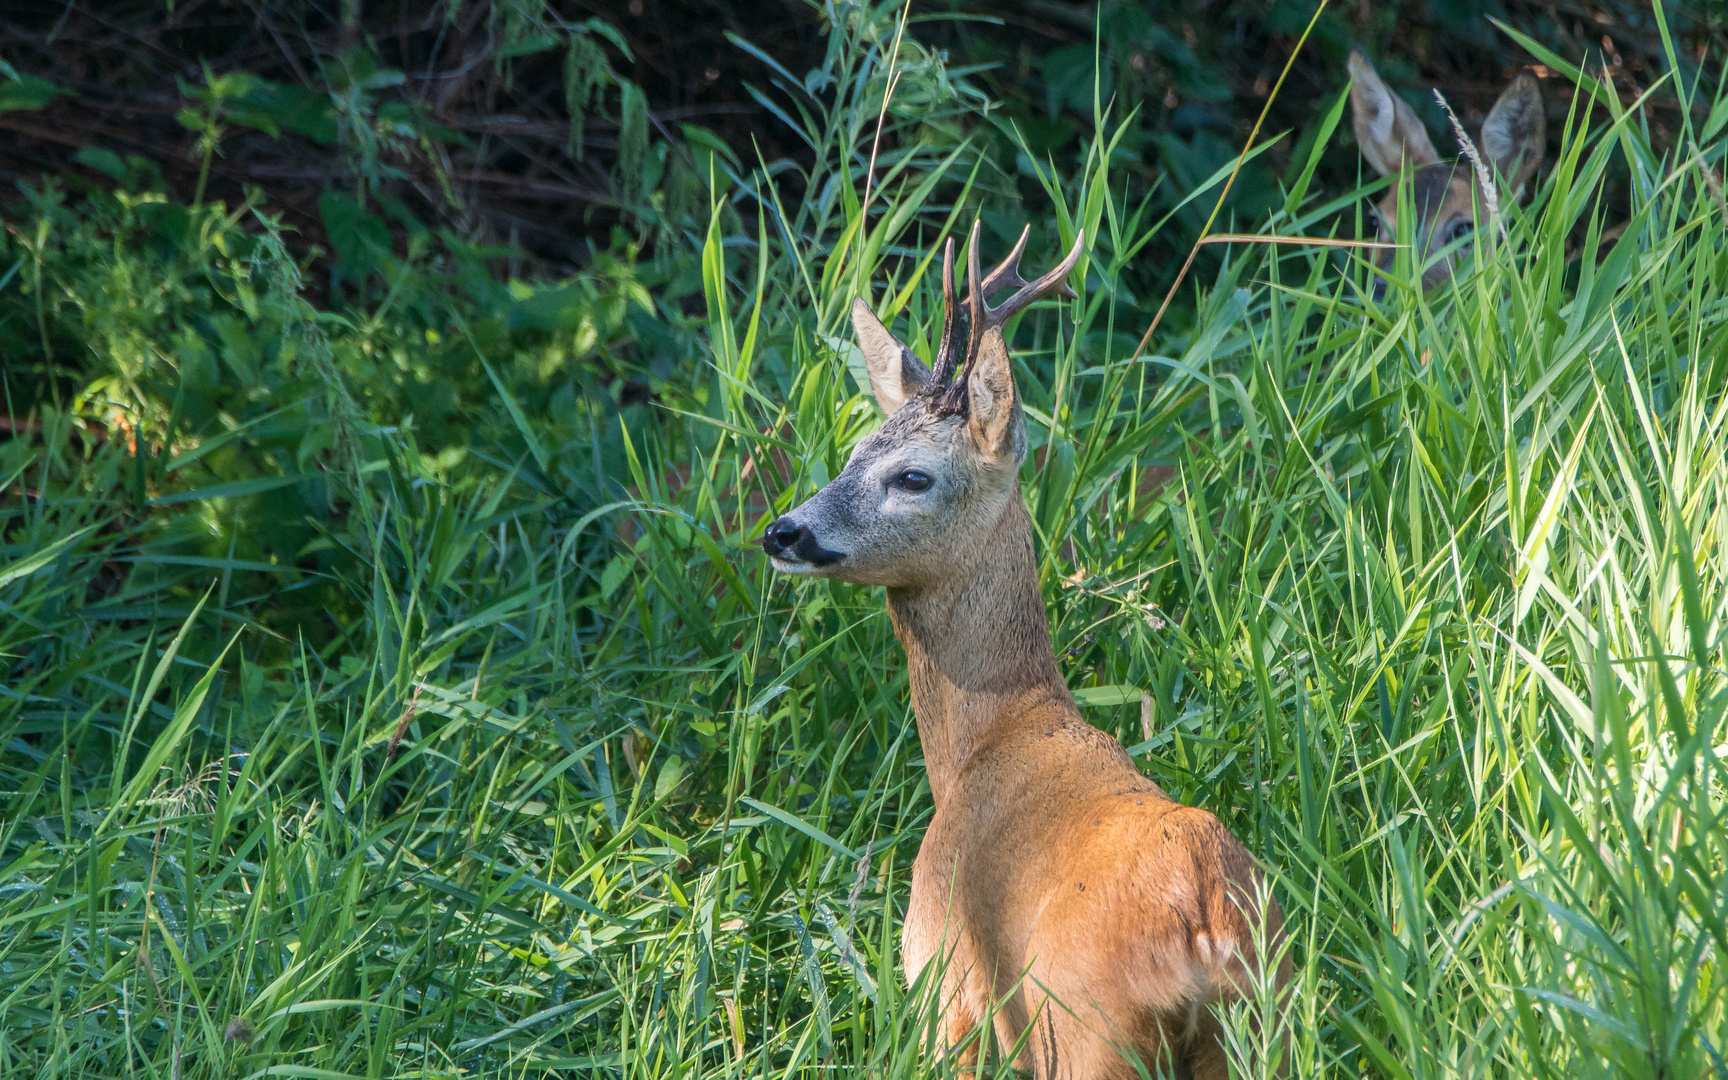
[(881, 119), (402, 725), (1295, 241), (858, 887)]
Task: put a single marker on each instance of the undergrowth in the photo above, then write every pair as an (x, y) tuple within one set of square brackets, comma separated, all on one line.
[(353, 731)]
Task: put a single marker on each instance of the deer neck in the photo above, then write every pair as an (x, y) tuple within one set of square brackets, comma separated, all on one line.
[(977, 649)]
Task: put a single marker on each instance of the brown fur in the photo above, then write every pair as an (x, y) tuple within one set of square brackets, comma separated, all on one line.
[(1445, 196), (1060, 890)]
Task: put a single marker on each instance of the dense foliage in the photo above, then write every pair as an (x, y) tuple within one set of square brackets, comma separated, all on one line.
[(389, 684)]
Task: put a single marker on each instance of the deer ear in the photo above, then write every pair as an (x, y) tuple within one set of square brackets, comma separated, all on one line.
[(1515, 131), (1386, 129), (895, 372), (992, 404)]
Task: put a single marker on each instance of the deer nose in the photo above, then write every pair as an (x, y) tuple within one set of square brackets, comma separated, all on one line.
[(783, 537)]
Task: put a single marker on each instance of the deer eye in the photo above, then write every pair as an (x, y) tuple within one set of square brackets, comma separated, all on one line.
[(912, 480), (1461, 230)]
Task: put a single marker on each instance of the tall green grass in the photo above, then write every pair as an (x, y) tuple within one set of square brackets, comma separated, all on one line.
[(1425, 598)]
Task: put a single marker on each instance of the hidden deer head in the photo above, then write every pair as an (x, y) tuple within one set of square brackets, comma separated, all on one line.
[(1444, 195), (944, 465)]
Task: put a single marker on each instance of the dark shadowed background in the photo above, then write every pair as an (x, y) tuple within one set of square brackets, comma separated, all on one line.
[(544, 125)]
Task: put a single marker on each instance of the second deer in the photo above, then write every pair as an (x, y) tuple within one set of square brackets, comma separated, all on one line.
[(1061, 893), (1445, 195)]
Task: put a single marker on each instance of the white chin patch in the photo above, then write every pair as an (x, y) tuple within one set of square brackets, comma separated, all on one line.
[(797, 569)]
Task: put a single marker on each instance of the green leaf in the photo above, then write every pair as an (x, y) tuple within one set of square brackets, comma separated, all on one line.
[(103, 161), (234, 489), (28, 565), (360, 239), (798, 823), (1098, 696), (614, 574), (28, 92), (172, 735), (528, 46)]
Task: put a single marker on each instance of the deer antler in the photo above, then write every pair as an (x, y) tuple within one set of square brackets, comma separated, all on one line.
[(945, 359), (983, 317)]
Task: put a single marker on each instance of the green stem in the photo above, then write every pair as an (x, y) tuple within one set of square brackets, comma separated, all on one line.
[(42, 314), (204, 169)]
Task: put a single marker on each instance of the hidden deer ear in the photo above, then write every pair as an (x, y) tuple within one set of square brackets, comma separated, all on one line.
[(1386, 128), (992, 404), (1515, 131), (896, 373)]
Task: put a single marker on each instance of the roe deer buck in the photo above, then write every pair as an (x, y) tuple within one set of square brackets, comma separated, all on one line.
[(1057, 888), (1444, 195)]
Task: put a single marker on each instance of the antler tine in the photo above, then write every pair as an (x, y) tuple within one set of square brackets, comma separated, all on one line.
[(1053, 283), (951, 395), (976, 309), (950, 319), (1007, 271)]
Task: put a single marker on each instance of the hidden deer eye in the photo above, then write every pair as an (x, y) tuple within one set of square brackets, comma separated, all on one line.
[(912, 480), (1461, 230)]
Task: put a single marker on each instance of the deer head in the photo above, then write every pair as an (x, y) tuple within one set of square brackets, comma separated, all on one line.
[(1443, 194), (942, 468)]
